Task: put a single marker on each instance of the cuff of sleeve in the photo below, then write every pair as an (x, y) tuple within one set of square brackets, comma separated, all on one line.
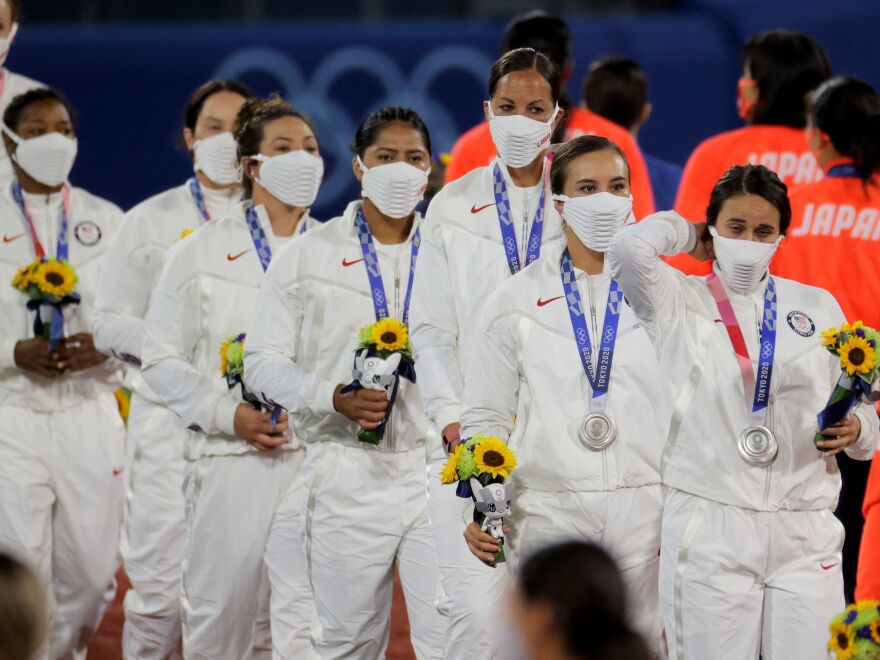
[(224, 415), (323, 400), (863, 449), (691, 238), (447, 415), (7, 354)]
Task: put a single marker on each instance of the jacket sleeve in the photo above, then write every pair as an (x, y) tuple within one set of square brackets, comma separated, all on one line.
[(172, 332), (270, 361), (123, 295), (652, 288), (434, 330), (491, 390)]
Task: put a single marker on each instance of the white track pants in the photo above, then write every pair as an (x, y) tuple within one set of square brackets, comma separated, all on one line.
[(62, 494), (155, 532), (242, 519), (626, 522), (471, 593), (366, 509), (735, 583)]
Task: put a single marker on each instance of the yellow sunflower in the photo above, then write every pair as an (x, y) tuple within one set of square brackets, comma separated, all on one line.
[(449, 474), (829, 337), (23, 278), (842, 642), (224, 362), (494, 457), (390, 335), (123, 400), (184, 234), (857, 356), (55, 278), (874, 627)]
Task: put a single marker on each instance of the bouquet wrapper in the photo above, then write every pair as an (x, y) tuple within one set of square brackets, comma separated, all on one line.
[(844, 396), (491, 506), (382, 372), (49, 319)]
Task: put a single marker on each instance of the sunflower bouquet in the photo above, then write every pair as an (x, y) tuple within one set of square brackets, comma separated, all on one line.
[(232, 369), (856, 346), (383, 355), (480, 465), (49, 285), (855, 632)]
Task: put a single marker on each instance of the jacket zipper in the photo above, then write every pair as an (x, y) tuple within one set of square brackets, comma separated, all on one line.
[(398, 312), (771, 424)]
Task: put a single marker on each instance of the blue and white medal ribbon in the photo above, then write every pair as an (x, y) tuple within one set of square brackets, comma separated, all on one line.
[(195, 189), (596, 430), (371, 261), (258, 236), (508, 233)]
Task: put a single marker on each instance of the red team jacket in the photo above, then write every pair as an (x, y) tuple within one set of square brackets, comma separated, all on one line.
[(780, 148), (475, 149)]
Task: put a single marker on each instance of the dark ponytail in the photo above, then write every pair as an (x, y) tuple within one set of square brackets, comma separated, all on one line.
[(582, 585), (848, 111)]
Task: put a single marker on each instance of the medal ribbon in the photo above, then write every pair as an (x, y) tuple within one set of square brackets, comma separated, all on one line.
[(195, 189), (600, 378), (258, 236), (61, 251), (755, 389), (508, 233), (371, 261)]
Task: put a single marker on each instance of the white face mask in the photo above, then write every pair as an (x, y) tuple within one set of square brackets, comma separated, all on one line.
[(293, 178), (6, 43), (217, 158), (395, 188), (518, 139), (595, 219), (743, 263), (47, 158)]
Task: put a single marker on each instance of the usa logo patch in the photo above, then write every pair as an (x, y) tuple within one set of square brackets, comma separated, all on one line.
[(801, 323), (87, 233)]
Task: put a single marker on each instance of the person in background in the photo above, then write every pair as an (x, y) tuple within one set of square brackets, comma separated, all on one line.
[(750, 549), (550, 36), (154, 535), (868, 579), (62, 440), (834, 242), (11, 84), (779, 69), (22, 611), (367, 504), (570, 604), (241, 484), (617, 88)]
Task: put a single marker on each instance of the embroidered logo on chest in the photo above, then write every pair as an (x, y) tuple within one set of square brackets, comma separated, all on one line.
[(801, 323), (87, 233)]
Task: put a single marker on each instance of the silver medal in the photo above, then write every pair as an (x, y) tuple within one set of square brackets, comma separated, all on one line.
[(596, 431), (757, 445)]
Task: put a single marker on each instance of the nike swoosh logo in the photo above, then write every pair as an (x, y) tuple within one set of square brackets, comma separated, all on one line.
[(541, 303), (232, 257), (477, 209), (346, 263), (827, 567), (9, 239)]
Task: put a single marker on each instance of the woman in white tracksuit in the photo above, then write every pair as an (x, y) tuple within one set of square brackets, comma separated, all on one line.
[(750, 560), (479, 230), (241, 475), (366, 505), (153, 538), (526, 381), (62, 447), (11, 84)]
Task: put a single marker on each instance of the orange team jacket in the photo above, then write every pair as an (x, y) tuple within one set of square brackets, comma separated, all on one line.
[(779, 148), (475, 149), (834, 242), (868, 577)]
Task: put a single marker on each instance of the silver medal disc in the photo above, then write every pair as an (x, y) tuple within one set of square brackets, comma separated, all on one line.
[(596, 431), (757, 445)]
